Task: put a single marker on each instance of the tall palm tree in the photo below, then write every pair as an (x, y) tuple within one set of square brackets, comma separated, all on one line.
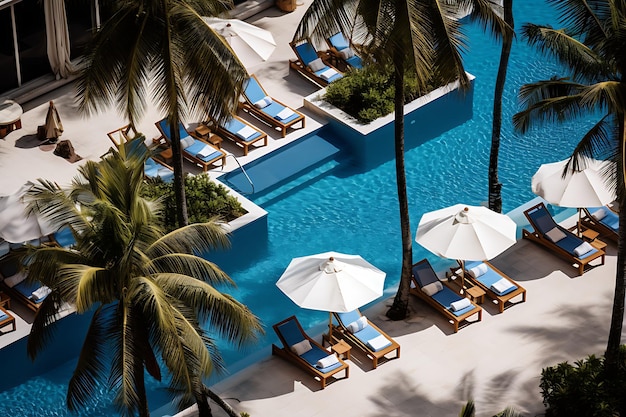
[(591, 47), (422, 36), (148, 292), (162, 51)]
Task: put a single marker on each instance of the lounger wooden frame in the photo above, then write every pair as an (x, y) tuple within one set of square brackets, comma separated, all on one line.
[(286, 353), (248, 106), (589, 222), (192, 158), (501, 300), (16, 295), (580, 264), (10, 320), (341, 332), (127, 133), (304, 70), (225, 133), (450, 316)]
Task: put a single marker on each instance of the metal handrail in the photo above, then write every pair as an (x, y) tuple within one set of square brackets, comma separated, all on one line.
[(244, 173)]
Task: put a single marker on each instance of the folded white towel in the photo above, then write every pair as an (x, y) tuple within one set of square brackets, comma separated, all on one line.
[(284, 114), (264, 102), (583, 248), (41, 293), (460, 305), (478, 270), (328, 74), (327, 361), (502, 285), (245, 132), (599, 214), (378, 342), (206, 151), (301, 347)]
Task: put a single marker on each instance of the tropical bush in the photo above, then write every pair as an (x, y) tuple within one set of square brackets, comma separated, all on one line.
[(205, 200), (585, 389), (368, 94)]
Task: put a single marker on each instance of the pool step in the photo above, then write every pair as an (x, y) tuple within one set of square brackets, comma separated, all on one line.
[(280, 166)]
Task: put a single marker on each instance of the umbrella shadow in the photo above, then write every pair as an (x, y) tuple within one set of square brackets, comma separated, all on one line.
[(28, 142)]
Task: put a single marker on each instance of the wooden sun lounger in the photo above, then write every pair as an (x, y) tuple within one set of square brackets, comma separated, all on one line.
[(501, 300), (426, 268), (254, 92), (306, 54), (289, 331), (336, 44), (341, 331), (542, 222), (588, 221), (230, 129), (9, 320), (219, 155)]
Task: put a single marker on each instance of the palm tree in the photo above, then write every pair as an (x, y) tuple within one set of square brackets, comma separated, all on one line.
[(591, 47), (469, 410), (420, 36), (148, 292), (164, 49)]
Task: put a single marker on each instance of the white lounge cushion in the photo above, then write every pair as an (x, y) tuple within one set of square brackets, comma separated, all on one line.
[(460, 305), (502, 285), (13, 280), (599, 214), (186, 142), (328, 74), (301, 347), (327, 361), (245, 132), (478, 270), (432, 288), (263, 103), (357, 325), (316, 64), (583, 248), (346, 53), (555, 234)]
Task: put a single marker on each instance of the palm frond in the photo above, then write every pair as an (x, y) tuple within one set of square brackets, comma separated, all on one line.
[(488, 14), (43, 327), (468, 410), (192, 266), (584, 18), (85, 286), (196, 238)]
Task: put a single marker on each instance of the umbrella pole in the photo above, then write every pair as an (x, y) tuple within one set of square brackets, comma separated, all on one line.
[(579, 220), (462, 274), (330, 328)]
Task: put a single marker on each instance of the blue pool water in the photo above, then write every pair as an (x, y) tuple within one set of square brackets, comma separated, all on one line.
[(339, 207)]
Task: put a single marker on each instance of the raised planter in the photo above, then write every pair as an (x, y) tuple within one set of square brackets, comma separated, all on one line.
[(425, 118)]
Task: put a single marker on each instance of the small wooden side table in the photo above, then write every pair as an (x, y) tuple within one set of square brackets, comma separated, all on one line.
[(342, 349), (590, 235), (167, 155), (598, 244), (476, 294)]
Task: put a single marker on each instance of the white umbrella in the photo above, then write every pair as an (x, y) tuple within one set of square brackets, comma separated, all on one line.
[(331, 281), (251, 44), (16, 224), (466, 233), (583, 188)]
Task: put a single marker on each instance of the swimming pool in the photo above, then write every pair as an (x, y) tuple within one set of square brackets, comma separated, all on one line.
[(337, 206)]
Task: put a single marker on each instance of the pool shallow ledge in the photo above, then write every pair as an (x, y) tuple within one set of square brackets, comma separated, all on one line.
[(425, 118)]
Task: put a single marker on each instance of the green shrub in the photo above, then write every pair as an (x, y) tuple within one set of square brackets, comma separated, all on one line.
[(368, 94), (205, 200), (584, 389)]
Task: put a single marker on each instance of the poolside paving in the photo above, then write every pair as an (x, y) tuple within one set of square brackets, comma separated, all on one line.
[(497, 362)]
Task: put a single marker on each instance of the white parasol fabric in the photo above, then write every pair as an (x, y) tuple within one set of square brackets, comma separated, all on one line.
[(53, 126), (251, 44), (584, 188), (16, 225)]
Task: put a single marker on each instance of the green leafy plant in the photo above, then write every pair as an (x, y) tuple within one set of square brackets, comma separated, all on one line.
[(368, 94), (585, 388), (206, 200)]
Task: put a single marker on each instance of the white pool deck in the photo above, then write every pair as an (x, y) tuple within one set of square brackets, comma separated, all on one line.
[(496, 362)]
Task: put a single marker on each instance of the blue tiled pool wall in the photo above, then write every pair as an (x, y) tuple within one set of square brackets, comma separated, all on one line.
[(423, 124)]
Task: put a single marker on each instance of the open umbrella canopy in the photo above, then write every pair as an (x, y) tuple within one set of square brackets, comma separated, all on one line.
[(16, 224), (251, 44), (584, 188), (466, 232), (331, 281)]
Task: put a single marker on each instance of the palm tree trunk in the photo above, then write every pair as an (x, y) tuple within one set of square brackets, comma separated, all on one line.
[(495, 187), (400, 306), (220, 402), (140, 386), (202, 400), (179, 178), (617, 316)]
